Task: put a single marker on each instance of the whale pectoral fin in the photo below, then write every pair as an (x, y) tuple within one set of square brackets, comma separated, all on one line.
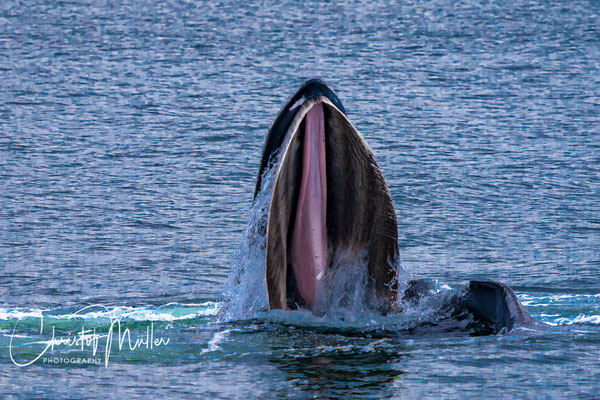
[(496, 306)]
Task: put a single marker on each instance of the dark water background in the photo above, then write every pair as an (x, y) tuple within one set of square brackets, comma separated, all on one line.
[(130, 137)]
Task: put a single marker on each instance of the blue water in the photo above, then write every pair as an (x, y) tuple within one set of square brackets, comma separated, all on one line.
[(130, 139)]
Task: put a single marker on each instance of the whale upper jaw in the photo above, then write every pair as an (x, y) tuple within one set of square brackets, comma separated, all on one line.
[(329, 197), (279, 128)]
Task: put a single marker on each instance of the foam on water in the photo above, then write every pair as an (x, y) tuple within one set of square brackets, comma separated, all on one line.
[(168, 312)]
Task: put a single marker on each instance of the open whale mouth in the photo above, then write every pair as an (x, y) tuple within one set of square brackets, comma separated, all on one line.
[(329, 197)]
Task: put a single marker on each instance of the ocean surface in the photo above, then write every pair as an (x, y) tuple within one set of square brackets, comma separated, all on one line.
[(130, 139)]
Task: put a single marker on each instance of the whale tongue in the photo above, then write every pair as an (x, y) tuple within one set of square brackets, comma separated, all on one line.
[(309, 236)]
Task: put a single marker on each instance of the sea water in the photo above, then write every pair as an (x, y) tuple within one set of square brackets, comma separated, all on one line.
[(130, 139)]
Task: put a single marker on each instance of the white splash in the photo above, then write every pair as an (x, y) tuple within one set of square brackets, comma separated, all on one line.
[(246, 292), (214, 343)]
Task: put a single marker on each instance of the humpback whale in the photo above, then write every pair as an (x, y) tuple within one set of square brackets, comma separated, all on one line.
[(330, 200)]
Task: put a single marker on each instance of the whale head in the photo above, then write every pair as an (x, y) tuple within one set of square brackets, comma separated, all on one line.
[(329, 200)]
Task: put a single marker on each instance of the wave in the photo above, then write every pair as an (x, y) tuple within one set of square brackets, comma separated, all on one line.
[(553, 309), (559, 309), (168, 312)]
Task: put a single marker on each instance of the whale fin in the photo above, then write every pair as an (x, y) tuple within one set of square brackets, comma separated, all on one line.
[(496, 306)]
